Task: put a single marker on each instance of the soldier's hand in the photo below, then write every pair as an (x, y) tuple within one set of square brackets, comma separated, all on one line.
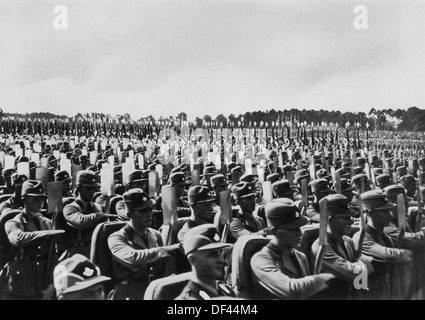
[(173, 247), (327, 277)]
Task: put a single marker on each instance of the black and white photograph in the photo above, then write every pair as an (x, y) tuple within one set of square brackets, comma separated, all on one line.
[(234, 150)]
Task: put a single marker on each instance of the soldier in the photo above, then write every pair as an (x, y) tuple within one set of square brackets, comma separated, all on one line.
[(64, 177), (279, 269), (138, 252), (283, 189), (136, 179), (201, 203), (246, 222), (14, 202), (6, 176), (218, 184), (83, 215), (77, 278), (33, 255), (320, 189), (381, 247), (409, 183), (204, 250), (340, 255)]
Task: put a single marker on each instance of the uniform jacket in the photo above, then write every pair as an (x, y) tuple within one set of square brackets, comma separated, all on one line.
[(28, 274), (194, 291), (8, 205), (276, 276), (241, 226), (392, 266), (134, 260)]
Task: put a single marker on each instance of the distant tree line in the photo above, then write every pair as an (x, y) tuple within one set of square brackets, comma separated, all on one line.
[(412, 119)]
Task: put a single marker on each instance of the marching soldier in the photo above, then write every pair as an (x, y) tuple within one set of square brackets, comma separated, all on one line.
[(320, 189)]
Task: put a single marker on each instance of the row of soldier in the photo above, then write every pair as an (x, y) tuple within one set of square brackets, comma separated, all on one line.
[(154, 236)]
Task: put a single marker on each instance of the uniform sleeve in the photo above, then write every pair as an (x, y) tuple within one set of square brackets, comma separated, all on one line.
[(275, 281), (79, 220), (371, 248), (130, 257), (337, 265), (18, 237)]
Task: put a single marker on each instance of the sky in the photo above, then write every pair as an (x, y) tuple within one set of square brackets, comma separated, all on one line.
[(164, 57)]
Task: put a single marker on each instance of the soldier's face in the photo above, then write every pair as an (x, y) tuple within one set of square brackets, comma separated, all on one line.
[(247, 203), (179, 190), (33, 204), (288, 236), (341, 225), (210, 263), (87, 193), (142, 218), (411, 188), (381, 218), (204, 210)]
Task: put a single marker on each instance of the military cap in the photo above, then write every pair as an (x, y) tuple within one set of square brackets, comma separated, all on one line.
[(319, 185), (136, 176), (209, 164), (282, 188), (75, 274), (32, 164), (393, 190), (52, 159), (407, 179), (273, 177), (18, 179), (296, 155), (356, 179), (230, 166), (322, 174), (23, 159), (152, 166), (83, 157), (87, 178), (209, 171), (283, 211), (236, 168), (337, 206), (375, 200), (377, 171), (202, 238), (346, 164), (342, 173), (62, 175), (401, 171), (218, 180), (383, 179), (361, 160), (248, 178), (301, 174), (8, 172), (345, 185), (178, 179), (136, 199), (117, 168), (176, 169), (199, 194), (357, 170), (33, 188), (286, 168), (243, 190)]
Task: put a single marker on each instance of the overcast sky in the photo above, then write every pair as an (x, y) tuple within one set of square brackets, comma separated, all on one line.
[(210, 57)]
